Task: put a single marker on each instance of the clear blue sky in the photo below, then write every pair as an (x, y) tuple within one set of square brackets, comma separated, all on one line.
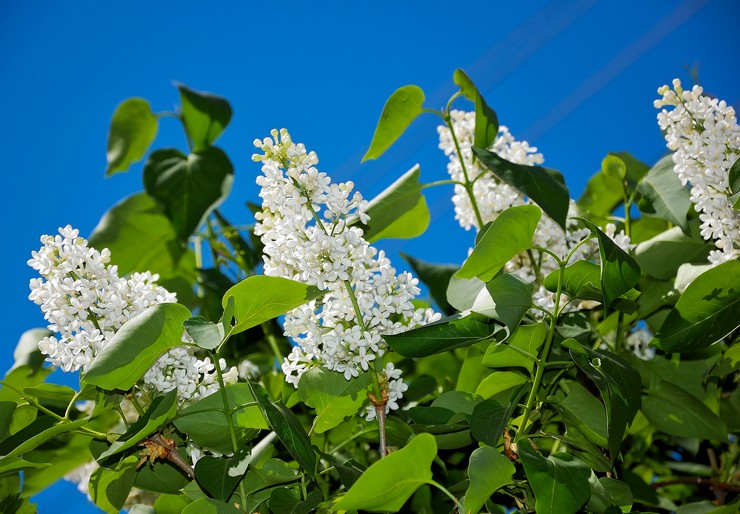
[(576, 78)]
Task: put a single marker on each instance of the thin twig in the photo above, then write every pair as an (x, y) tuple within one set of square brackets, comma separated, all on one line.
[(698, 481), (172, 454)]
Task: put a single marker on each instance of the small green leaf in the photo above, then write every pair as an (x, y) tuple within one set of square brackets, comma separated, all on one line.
[(210, 506), (445, 334), (136, 347), (34, 435), (543, 186), (260, 298), (205, 116), (388, 483), (618, 383), (219, 476), (499, 382), (602, 195), (581, 280), (614, 168), (663, 195), (188, 187), (160, 412), (436, 277), (661, 256), (488, 472), (509, 234), (583, 411), (206, 334), (288, 429), (510, 299), (333, 397), (486, 120), (398, 212), (707, 311), (132, 130), (676, 412), (490, 417), (526, 338), (559, 482), (404, 105), (208, 428), (619, 271), (109, 488)]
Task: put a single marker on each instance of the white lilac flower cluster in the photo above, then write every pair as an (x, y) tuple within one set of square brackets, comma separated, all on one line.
[(305, 226), (704, 135), (86, 302), (493, 197)]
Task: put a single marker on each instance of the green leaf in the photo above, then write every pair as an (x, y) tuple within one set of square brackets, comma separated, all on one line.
[(607, 495), (729, 362), (445, 334), (288, 429), (206, 334), (398, 212), (603, 194), (27, 351), (707, 311), (286, 501), (509, 234), (52, 392), (260, 298), (132, 130), (583, 411), (543, 186), (271, 473), (618, 383), (188, 187), (160, 412), (388, 483), (488, 472), (486, 120), (136, 347), (614, 168), (219, 476), (109, 488), (333, 397), (734, 181), (508, 300), (581, 280), (205, 116), (436, 277), (559, 482), (404, 105), (661, 256), (527, 338), (14, 465), (34, 435), (499, 382), (210, 506), (208, 428), (663, 195), (490, 417), (619, 271), (674, 411), (170, 504)]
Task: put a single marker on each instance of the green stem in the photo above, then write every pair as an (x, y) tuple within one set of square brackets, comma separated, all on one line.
[(543, 358), (123, 416), (468, 185), (451, 496), (442, 183), (229, 421), (137, 405)]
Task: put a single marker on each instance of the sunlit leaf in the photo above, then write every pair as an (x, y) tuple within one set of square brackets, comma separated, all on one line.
[(334, 397), (204, 115), (488, 472), (132, 130), (403, 106), (486, 120), (559, 482), (663, 195)]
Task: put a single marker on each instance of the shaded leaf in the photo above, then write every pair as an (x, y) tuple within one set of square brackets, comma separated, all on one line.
[(219, 476), (486, 120), (489, 418), (559, 482), (661, 256), (663, 195), (436, 277), (527, 338), (132, 130), (510, 297), (206, 334), (109, 488), (403, 106), (581, 280), (488, 471), (204, 115), (210, 506), (285, 501)]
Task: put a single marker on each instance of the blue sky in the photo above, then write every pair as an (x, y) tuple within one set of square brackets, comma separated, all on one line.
[(575, 78)]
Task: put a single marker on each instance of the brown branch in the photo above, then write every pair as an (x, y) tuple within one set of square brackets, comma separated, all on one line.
[(162, 447), (714, 484)]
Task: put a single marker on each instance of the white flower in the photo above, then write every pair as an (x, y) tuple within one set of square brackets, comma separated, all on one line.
[(705, 137)]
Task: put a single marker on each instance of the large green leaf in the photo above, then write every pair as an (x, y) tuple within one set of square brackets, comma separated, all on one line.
[(436, 277), (490, 417), (208, 428), (387, 484), (488, 472), (559, 482), (619, 271), (618, 383), (34, 435), (602, 195), (14, 465), (109, 488), (398, 212), (219, 476), (210, 506), (132, 130), (509, 234), (527, 340), (288, 429), (403, 106), (27, 351), (333, 397), (663, 195), (271, 473), (160, 411), (508, 300), (486, 120), (286, 501), (674, 411), (707, 311), (205, 116), (260, 298), (583, 411), (136, 347), (661, 256), (581, 280), (543, 186), (188, 187), (445, 334)]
